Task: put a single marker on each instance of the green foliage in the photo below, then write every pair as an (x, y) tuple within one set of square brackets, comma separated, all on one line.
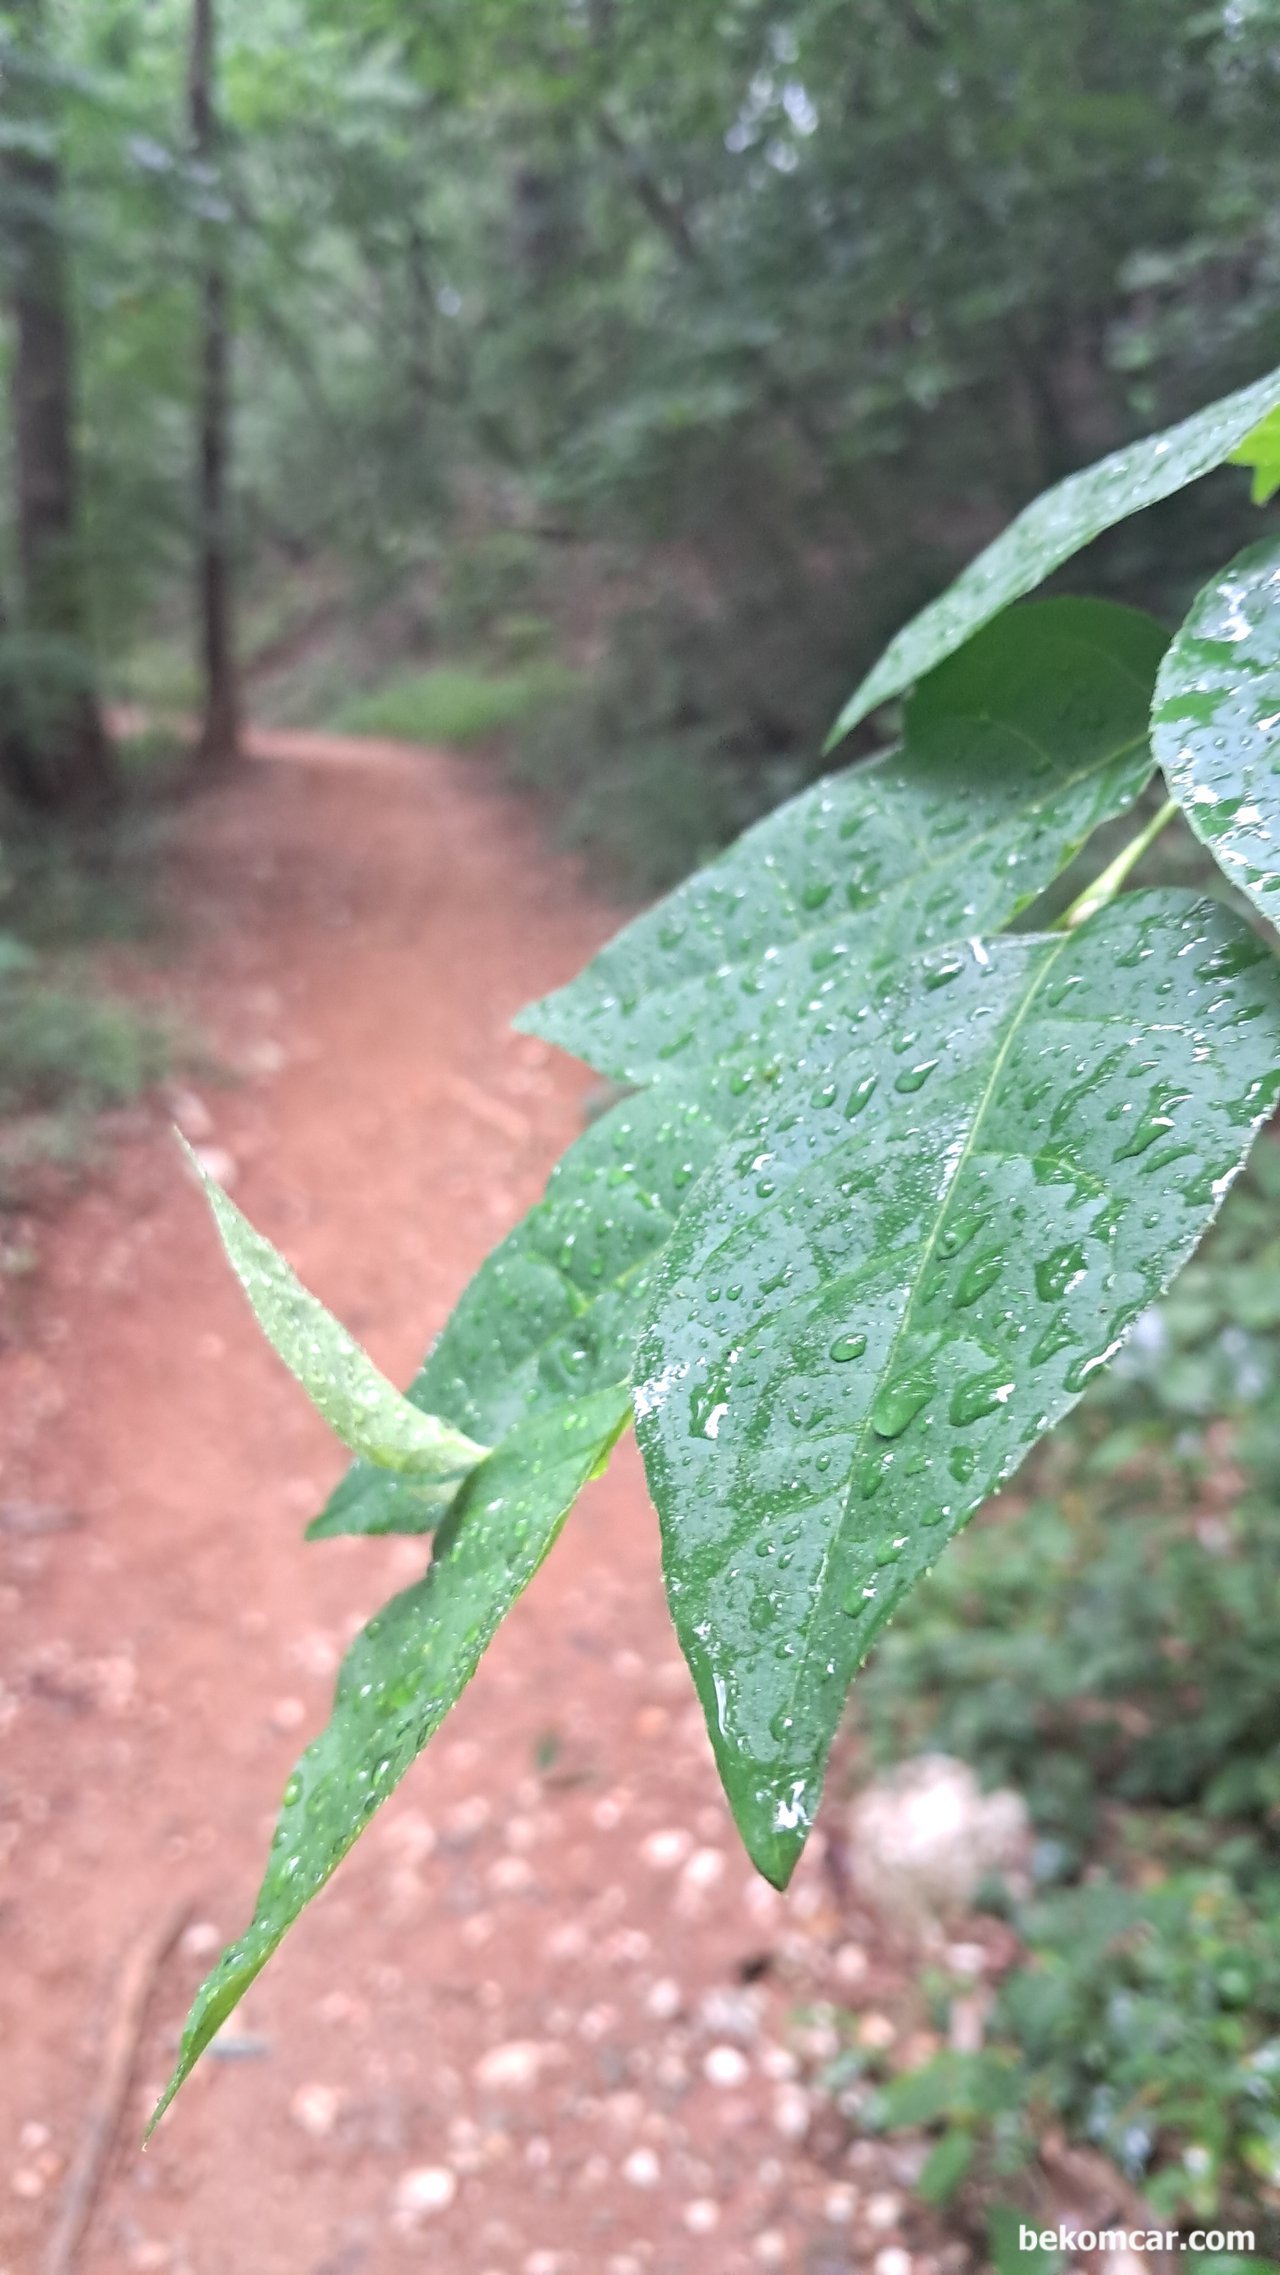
[(879, 1305), (1216, 726), (1113, 1646), (404, 1671), (877, 864), (451, 704), (73, 1050), (1145, 2022), (896, 1185), (1261, 450), (1056, 527)]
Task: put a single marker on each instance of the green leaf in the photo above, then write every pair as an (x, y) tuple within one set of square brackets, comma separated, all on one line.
[(1014, 751), (1004, 2228), (946, 2165), (903, 1272), (403, 1673), (1261, 450), (360, 1406), (556, 1309), (1216, 722), (1054, 527)]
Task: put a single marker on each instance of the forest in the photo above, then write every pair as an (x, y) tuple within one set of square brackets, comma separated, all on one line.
[(459, 458)]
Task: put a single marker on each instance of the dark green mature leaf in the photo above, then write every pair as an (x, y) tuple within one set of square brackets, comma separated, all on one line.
[(903, 1272), (1054, 527), (403, 1673), (1216, 722), (555, 1311), (1014, 751)]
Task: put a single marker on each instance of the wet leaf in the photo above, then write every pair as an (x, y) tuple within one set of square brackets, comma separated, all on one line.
[(1216, 722), (1054, 527), (555, 1311), (861, 1325), (403, 1673), (360, 1406), (1014, 751)]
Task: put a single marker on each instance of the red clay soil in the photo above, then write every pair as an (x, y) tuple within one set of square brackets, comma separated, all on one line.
[(544, 2021)]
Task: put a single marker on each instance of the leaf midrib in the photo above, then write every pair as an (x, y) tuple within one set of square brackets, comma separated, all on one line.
[(885, 1372)]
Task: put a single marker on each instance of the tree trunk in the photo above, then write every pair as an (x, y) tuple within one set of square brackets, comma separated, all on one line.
[(219, 741), (53, 748)]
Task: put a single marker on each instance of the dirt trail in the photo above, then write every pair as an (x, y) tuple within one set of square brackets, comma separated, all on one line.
[(529, 2029)]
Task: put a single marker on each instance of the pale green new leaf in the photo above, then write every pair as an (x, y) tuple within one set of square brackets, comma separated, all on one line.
[(905, 1271), (360, 1406), (1215, 724), (555, 1311), (403, 1673), (1261, 450), (1054, 527), (1013, 752)]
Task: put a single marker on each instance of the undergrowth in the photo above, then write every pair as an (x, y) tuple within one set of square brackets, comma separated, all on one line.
[(1114, 1655)]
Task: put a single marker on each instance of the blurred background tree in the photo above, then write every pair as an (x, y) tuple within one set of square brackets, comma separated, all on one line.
[(688, 348)]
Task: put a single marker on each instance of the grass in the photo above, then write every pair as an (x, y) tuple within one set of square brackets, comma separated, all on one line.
[(451, 703), (60, 1049)]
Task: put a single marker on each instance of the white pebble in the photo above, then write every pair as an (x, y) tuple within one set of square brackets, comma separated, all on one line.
[(839, 2206), (642, 2169), (469, 1817), (420, 2194), (704, 1868), (883, 2210), (966, 1958), (33, 2136), (779, 2062), (288, 1714), (511, 2068), (893, 2261), (791, 2112), (877, 2032), (510, 1875), (567, 1942), (702, 2217), (662, 2000), (771, 2248), (850, 1963), (726, 2066), (314, 2110), (200, 1940), (26, 2182), (665, 1850)]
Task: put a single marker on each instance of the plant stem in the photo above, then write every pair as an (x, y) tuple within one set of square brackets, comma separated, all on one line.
[(1105, 886)]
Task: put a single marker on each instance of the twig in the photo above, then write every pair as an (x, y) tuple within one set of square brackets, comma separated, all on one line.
[(134, 1984)]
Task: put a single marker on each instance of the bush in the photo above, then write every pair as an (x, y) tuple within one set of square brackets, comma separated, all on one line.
[(1144, 2022)]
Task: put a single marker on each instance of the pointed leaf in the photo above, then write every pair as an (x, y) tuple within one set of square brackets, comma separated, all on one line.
[(403, 1673), (556, 1309), (861, 1325), (1014, 751), (1216, 722), (366, 1411), (1261, 450), (1054, 527)]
